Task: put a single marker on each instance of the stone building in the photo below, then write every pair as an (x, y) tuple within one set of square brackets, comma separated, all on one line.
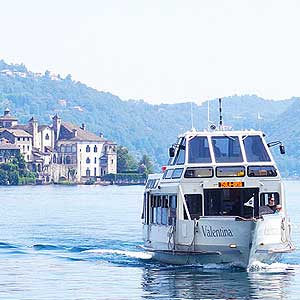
[(60, 150), (7, 150), (20, 138), (7, 121), (82, 150), (42, 135), (108, 160)]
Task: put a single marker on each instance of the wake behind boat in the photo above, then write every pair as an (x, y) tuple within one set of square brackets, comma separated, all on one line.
[(220, 200)]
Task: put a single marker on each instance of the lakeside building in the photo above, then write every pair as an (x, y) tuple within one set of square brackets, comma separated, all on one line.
[(61, 150), (7, 150)]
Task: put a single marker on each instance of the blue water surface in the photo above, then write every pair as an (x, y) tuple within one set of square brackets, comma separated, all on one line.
[(81, 242)]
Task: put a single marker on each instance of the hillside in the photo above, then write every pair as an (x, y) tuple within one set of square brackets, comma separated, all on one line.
[(142, 127), (285, 127)]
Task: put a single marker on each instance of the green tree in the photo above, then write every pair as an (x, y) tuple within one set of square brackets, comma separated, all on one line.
[(125, 161), (145, 165), (15, 172), (3, 177), (9, 167), (13, 178)]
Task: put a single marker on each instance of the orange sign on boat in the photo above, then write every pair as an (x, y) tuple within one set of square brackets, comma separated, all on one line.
[(231, 184)]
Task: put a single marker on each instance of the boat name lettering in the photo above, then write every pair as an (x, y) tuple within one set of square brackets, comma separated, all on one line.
[(209, 231)]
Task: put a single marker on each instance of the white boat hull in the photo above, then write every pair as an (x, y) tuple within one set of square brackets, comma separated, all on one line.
[(219, 240)]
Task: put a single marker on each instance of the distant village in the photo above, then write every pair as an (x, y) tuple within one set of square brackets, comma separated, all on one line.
[(58, 151)]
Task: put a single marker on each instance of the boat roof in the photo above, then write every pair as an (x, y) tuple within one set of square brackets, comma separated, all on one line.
[(222, 133)]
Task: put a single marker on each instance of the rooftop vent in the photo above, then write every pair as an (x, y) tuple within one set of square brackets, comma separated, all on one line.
[(6, 112), (74, 132)]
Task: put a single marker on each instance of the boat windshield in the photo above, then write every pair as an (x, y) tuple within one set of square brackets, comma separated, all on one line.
[(255, 149), (227, 149), (198, 150), (179, 158)]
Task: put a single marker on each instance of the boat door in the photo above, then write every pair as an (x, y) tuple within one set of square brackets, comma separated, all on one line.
[(243, 202)]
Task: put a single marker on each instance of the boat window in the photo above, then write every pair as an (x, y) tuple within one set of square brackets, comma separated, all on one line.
[(266, 197), (146, 209), (152, 205), (147, 184), (227, 149), (168, 174), (199, 150), (194, 205), (172, 207), (202, 172), (231, 202), (173, 201), (151, 183), (262, 171), (255, 149), (152, 186), (177, 173), (180, 156), (156, 210), (171, 160), (164, 210), (230, 171)]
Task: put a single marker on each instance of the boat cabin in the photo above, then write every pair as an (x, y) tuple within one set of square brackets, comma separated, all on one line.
[(220, 173)]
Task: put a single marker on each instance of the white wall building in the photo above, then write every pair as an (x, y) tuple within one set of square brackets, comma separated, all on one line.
[(21, 139), (71, 148), (8, 121), (83, 150)]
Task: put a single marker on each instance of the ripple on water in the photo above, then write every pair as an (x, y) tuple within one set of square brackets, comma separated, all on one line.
[(84, 242), (4, 245), (41, 247)]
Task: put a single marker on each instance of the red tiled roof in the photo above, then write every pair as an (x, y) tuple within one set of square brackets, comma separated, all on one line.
[(16, 132), (82, 135), (8, 146)]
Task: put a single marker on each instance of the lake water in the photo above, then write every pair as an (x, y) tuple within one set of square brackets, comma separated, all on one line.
[(80, 242)]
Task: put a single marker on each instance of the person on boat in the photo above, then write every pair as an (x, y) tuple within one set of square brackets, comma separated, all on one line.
[(272, 204), (269, 208)]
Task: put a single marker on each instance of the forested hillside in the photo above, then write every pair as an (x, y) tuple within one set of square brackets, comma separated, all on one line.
[(142, 127)]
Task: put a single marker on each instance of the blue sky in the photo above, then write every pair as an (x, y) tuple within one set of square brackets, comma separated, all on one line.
[(160, 51)]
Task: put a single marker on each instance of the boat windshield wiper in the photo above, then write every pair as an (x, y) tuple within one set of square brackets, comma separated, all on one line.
[(230, 137)]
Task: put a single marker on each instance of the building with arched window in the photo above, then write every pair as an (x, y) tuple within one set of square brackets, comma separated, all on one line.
[(86, 151), (108, 159), (60, 149)]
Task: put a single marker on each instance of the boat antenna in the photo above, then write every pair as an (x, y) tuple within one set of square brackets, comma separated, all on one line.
[(192, 116), (221, 118), (208, 120), (210, 124)]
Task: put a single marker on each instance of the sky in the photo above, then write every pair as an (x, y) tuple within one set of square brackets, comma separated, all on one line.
[(161, 51)]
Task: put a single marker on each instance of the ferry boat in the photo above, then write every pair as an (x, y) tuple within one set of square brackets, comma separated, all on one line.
[(220, 199)]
